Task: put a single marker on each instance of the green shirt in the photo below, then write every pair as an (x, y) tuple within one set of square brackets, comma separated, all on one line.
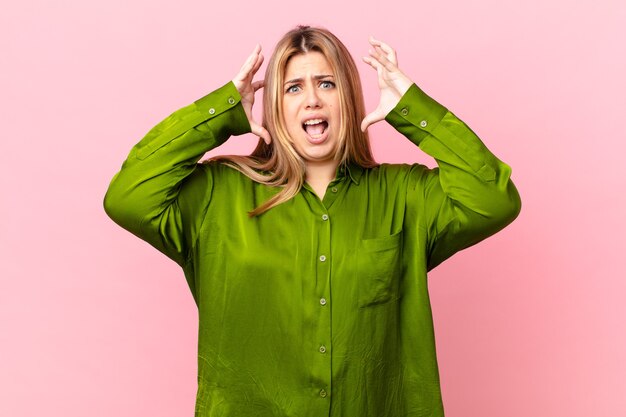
[(318, 307)]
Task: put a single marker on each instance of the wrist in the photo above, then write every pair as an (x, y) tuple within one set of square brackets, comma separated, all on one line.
[(403, 85)]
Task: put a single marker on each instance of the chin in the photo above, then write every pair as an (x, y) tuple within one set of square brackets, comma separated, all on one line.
[(319, 155), (315, 152)]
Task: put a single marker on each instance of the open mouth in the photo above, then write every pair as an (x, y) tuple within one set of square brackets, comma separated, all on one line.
[(315, 128)]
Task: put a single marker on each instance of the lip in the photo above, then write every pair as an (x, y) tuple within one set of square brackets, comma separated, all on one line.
[(314, 116), (324, 136)]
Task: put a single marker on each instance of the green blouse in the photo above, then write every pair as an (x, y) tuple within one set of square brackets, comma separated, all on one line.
[(318, 307)]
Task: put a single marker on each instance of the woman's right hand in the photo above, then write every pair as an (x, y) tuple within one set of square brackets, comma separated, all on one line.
[(247, 88)]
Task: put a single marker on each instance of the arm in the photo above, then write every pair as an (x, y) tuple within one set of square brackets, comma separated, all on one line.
[(470, 195), (160, 191)]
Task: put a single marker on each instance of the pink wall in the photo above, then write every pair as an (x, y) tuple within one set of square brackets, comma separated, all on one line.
[(93, 321)]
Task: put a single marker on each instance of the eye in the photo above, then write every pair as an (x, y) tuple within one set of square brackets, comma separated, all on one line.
[(291, 88), (327, 84)]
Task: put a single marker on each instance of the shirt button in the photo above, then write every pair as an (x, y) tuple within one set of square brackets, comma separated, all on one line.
[(405, 111), (322, 258), (324, 216), (322, 349), (334, 189), (211, 110), (323, 301), (322, 393), (423, 123), (231, 100)]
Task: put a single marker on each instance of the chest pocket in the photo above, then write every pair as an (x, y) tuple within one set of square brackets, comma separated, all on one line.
[(379, 269)]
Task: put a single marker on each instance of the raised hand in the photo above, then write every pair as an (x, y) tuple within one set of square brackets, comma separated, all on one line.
[(392, 82), (247, 88)]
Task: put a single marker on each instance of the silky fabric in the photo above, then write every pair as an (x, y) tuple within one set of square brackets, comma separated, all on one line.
[(320, 306)]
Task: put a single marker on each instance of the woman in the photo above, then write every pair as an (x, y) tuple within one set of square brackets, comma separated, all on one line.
[(307, 259)]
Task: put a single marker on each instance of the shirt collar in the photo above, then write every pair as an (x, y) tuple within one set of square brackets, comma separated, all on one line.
[(353, 171)]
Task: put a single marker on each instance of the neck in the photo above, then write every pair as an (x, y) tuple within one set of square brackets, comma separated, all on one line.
[(321, 171), (320, 174)]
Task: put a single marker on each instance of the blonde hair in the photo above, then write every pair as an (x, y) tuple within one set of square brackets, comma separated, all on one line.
[(279, 163)]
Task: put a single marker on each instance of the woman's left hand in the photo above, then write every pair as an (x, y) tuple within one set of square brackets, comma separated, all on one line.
[(392, 82)]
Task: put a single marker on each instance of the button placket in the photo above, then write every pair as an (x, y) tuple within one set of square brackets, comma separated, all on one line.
[(318, 346), (331, 194)]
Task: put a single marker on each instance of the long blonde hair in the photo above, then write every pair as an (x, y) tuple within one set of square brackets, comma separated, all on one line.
[(279, 163)]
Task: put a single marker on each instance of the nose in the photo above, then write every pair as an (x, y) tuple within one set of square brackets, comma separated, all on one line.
[(312, 98)]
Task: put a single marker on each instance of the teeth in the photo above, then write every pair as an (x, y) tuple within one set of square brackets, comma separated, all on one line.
[(313, 121)]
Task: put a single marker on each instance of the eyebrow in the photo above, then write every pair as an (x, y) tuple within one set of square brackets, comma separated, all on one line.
[(315, 77)]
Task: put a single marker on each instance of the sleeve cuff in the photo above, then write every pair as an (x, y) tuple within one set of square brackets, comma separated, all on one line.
[(418, 110), (223, 108)]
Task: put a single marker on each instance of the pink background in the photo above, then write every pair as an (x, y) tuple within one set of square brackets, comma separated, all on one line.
[(93, 321)]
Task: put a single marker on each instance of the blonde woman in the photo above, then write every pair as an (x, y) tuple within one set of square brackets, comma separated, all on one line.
[(308, 260)]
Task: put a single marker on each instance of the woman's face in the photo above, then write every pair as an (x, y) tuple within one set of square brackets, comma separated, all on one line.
[(311, 107)]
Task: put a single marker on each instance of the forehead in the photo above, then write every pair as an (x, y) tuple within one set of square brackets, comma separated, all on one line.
[(308, 63)]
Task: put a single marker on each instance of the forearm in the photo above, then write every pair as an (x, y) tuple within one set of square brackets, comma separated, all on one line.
[(470, 195), (142, 196)]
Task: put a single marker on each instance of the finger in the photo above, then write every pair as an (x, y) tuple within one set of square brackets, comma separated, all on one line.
[(257, 63), (250, 59), (377, 60), (380, 70), (364, 125), (388, 56), (263, 134), (266, 136), (244, 71), (372, 63), (250, 62), (389, 51), (369, 120), (380, 57), (378, 52), (258, 84), (260, 131)]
